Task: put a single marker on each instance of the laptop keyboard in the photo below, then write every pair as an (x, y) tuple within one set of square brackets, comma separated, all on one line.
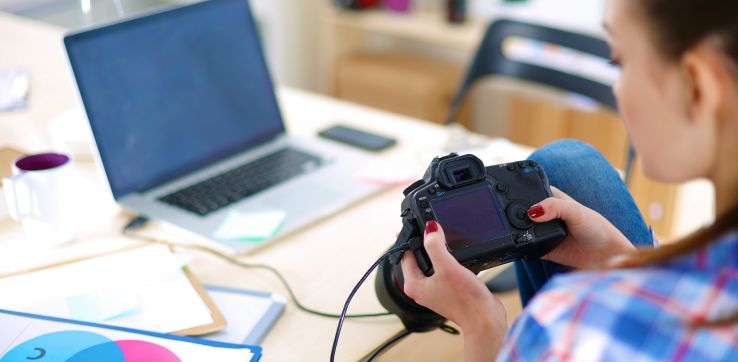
[(234, 185)]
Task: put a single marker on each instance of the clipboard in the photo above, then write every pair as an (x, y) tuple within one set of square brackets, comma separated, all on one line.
[(217, 321)]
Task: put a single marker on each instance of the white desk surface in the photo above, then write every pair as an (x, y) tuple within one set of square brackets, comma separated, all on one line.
[(322, 262)]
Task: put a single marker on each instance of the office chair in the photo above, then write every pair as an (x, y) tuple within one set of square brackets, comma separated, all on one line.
[(491, 60)]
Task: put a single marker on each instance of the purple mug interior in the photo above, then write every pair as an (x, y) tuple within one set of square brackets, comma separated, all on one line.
[(398, 5), (41, 161)]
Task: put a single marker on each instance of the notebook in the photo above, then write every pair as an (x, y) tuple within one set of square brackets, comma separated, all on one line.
[(25, 337), (250, 314)]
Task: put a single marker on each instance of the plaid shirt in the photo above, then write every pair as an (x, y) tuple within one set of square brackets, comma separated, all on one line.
[(634, 315)]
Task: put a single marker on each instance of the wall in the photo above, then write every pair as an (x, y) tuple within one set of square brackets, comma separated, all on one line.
[(579, 15), (290, 30)]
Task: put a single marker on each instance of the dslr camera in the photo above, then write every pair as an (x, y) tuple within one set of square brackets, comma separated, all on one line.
[(484, 214)]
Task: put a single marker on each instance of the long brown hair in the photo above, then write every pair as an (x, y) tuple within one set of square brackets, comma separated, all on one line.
[(679, 25), (676, 27), (699, 240)]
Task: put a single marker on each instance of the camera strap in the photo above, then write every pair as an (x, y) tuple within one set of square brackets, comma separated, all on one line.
[(409, 236)]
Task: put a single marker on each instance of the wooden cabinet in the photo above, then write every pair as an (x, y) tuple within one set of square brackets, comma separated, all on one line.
[(408, 63)]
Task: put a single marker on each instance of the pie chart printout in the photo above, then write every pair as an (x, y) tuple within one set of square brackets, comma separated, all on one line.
[(82, 346)]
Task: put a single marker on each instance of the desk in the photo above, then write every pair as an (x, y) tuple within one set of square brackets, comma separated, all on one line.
[(322, 262)]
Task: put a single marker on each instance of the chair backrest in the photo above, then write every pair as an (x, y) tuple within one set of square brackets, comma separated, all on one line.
[(490, 59)]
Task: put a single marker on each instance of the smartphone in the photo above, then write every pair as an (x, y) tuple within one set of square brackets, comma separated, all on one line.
[(354, 137)]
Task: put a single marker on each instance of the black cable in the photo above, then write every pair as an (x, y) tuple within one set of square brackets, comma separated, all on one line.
[(450, 330), (141, 220), (353, 292), (392, 341), (389, 343), (135, 223)]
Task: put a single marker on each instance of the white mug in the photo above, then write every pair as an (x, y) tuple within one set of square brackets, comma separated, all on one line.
[(39, 195)]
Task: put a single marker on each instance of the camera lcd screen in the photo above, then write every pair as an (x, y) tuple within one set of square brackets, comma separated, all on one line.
[(469, 218)]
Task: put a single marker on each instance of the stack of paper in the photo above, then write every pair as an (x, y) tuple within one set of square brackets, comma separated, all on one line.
[(142, 287), (14, 85)]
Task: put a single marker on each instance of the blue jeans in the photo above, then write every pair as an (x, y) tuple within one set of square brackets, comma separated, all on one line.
[(583, 173)]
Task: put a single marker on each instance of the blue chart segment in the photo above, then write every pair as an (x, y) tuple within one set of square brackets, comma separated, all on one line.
[(57, 346), (81, 346)]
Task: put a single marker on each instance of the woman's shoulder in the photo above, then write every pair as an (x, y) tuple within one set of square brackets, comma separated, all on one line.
[(635, 313)]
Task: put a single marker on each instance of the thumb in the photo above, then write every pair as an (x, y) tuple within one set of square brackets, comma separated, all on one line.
[(435, 246), (554, 208)]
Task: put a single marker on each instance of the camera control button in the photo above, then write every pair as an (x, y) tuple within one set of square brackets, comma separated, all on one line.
[(510, 167), (517, 214), (522, 164), (423, 204), (428, 216), (501, 188)]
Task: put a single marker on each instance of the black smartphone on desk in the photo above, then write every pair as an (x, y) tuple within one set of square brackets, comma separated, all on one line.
[(354, 137)]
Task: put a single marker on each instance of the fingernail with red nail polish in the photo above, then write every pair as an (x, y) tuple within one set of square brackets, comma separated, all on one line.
[(536, 212), (431, 227)]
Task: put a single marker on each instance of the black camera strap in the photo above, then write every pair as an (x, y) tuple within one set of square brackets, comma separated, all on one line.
[(409, 236)]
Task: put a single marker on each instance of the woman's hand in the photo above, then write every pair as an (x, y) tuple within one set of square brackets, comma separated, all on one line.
[(592, 242), (457, 294)]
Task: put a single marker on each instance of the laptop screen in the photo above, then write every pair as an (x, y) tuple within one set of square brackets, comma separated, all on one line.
[(171, 92)]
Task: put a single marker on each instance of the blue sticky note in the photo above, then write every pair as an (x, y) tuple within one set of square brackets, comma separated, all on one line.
[(100, 306), (250, 226)]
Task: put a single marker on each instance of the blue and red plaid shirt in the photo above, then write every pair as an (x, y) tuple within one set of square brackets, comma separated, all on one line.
[(634, 315)]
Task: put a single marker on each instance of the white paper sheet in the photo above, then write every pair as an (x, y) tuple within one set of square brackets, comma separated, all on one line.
[(14, 85), (142, 288)]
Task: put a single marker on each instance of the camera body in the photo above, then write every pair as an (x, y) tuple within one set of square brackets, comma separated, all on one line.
[(483, 211), (484, 214)]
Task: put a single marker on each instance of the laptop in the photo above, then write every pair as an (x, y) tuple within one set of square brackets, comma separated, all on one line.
[(187, 127)]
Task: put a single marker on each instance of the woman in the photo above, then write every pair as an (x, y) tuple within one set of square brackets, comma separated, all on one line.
[(678, 95)]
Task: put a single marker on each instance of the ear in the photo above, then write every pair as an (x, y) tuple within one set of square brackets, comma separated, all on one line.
[(706, 72)]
